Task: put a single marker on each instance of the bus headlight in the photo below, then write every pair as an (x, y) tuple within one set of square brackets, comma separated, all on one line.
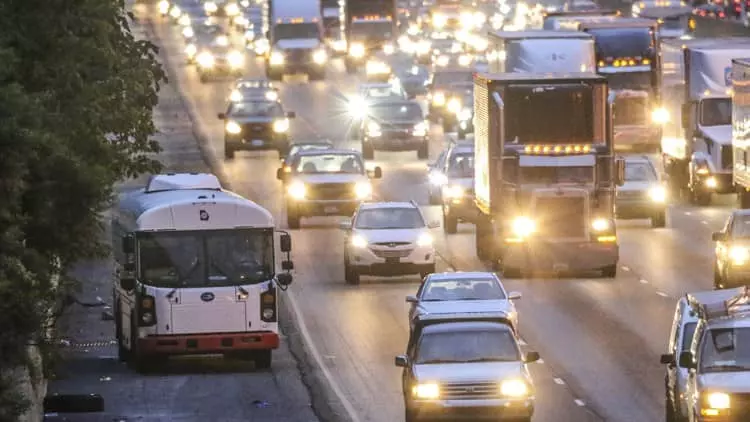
[(420, 129), (424, 239), (359, 241), (658, 194), (373, 129), (320, 56), (210, 7), (188, 32), (718, 401), (357, 50), (739, 255), (523, 226), (454, 192), (235, 96), (190, 50), (268, 314), (233, 128), (206, 60), (163, 7), (236, 59), (281, 126), (297, 190), (438, 99), (147, 318), (514, 388), (600, 225), (363, 190), (232, 9), (277, 58), (426, 391), (660, 116), (454, 105)]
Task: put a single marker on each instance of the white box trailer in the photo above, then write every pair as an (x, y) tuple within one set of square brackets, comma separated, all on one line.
[(741, 128), (541, 51)]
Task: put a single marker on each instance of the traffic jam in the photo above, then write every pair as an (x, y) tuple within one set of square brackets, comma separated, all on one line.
[(556, 153)]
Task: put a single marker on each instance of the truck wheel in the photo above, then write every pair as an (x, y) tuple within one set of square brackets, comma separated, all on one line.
[(423, 152), (450, 223), (351, 276), (228, 152), (700, 198), (292, 217), (141, 363), (610, 271), (274, 75), (659, 219), (368, 152), (262, 359)]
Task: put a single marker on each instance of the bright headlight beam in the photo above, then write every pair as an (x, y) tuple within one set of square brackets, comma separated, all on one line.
[(429, 391), (658, 194), (424, 239), (600, 225), (363, 190), (297, 190), (514, 388), (719, 401), (454, 192), (359, 241), (233, 128), (660, 116), (523, 226)]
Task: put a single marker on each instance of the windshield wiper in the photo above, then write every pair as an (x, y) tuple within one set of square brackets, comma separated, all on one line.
[(490, 359)]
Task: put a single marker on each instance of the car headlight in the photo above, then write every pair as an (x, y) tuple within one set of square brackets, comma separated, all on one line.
[(454, 105), (420, 129), (363, 190), (188, 32), (439, 21), (359, 241), (210, 7), (232, 9), (357, 50), (206, 60), (175, 12), (454, 192), (320, 56), (426, 391), (424, 239), (388, 49), (297, 190), (739, 255), (438, 99), (358, 107), (718, 401), (658, 194), (233, 128), (442, 61), (281, 126), (711, 182), (600, 224), (277, 58), (272, 95), (190, 50), (523, 226), (465, 114), (464, 60), (184, 21), (437, 178), (163, 7), (514, 388), (373, 128), (660, 116), (235, 96), (467, 20), (339, 45), (236, 59)]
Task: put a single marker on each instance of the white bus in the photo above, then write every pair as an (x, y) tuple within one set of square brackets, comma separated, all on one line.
[(196, 272)]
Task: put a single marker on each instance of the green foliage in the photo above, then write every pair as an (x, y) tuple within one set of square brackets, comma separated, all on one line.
[(77, 93)]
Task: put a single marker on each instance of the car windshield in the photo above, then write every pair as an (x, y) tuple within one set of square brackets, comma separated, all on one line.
[(461, 165), (687, 336), (256, 109), (291, 31), (308, 147), (741, 226), (468, 346), (205, 258), (716, 112), (381, 92), (389, 218), (329, 163), (396, 112), (463, 289), (639, 172), (725, 350), (448, 78)]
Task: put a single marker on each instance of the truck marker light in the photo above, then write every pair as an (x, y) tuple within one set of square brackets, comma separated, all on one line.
[(607, 239)]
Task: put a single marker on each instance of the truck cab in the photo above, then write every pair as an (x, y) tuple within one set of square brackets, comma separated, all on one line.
[(368, 27), (295, 34)]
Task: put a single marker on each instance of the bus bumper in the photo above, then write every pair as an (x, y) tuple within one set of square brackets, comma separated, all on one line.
[(201, 344)]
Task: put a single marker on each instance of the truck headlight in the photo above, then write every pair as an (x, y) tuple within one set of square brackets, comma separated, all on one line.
[(297, 190), (188, 32), (206, 60), (233, 128), (600, 224), (163, 7), (464, 115), (388, 49), (184, 21), (236, 59), (320, 56), (718, 401), (454, 192), (190, 50), (272, 95), (373, 129), (420, 129), (235, 96), (658, 194), (232, 9), (359, 241), (439, 21), (210, 7), (429, 391), (277, 58), (514, 388), (363, 190), (523, 226), (357, 50), (454, 105), (437, 178), (660, 116), (175, 12), (464, 60), (479, 19), (438, 99), (424, 239), (739, 255), (281, 126)]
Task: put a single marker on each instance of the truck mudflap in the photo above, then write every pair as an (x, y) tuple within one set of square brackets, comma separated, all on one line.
[(637, 138), (560, 256)]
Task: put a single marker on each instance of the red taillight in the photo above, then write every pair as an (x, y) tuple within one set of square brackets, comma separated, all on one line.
[(721, 14)]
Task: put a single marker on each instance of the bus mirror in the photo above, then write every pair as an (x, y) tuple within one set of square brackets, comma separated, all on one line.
[(287, 265), (285, 242), (284, 279), (127, 283), (73, 403), (128, 244)]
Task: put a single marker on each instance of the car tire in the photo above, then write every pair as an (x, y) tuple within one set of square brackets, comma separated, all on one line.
[(423, 152), (293, 218), (263, 359), (450, 223), (610, 271), (659, 220), (351, 276), (368, 152), (228, 152)]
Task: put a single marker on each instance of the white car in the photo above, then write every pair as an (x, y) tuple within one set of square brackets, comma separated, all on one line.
[(388, 239)]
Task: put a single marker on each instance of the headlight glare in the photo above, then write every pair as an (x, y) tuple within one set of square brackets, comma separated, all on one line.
[(363, 190), (188, 32), (320, 56), (438, 99), (163, 7), (514, 388), (600, 224), (184, 21), (206, 60), (236, 59), (232, 9), (465, 114), (424, 239), (437, 178), (281, 126), (277, 58), (388, 49), (523, 226), (297, 190), (660, 115), (718, 400), (454, 105), (272, 95), (357, 50), (359, 241), (429, 391), (454, 192), (233, 128), (235, 96), (658, 194), (739, 255), (190, 50), (420, 129), (210, 7), (373, 128)]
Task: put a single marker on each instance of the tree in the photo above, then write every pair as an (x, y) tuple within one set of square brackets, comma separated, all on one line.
[(77, 92)]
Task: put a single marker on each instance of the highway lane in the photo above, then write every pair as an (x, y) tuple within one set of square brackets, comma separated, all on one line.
[(602, 337)]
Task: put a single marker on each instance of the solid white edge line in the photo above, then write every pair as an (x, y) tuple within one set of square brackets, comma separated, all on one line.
[(558, 381), (352, 413)]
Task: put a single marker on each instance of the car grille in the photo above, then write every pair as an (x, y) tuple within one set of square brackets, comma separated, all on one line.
[(298, 55), (331, 191), (631, 194), (561, 217), (257, 130), (385, 253), (740, 407), (630, 111), (469, 391)]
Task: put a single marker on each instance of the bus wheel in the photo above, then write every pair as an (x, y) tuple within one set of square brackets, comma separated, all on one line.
[(263, 359)]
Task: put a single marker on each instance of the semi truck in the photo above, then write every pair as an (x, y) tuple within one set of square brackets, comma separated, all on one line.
[(329, 10), (541, 51), (627, 53), (545, 193), (674, 22), (697, 143), (741, 129), (295, 37), (369, 27)]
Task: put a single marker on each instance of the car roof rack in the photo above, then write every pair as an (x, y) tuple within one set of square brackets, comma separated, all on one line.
[(720, 303)]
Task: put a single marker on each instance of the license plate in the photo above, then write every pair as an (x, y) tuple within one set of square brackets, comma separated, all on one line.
[(392, 260), (330, 209), (257, 142), (560, 267)]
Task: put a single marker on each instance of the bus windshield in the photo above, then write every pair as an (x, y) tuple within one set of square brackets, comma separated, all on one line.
[(623, 42), (206, 257)]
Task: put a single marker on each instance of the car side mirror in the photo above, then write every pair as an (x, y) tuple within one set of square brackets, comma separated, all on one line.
[(280, 174), (285, 242), (376, 173), (401, 361), (411, 299), (433, 225), (127, 283), (221, 116), (287, 265), (345, 225), (619, 171), (686, 360), (73, 403), (291, 114), (531, 357), (719, 237), (667, 359), (284, 279), (514, 295), (686, 112), (128, 244)]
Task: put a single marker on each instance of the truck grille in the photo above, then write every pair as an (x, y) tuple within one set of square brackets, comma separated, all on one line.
[(298, 55), (561, 217), (631, 111), (385, 253), (469, 391), (331, 191), (256, 130)]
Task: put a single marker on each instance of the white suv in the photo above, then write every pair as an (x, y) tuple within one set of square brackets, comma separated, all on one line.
[(388, 239)]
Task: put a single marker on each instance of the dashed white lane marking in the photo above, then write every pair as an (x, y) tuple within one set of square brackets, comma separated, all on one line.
[(540, 361), (625, 268), (688, 213), (558, 381), (704, 222), (662, 294), (643, 281), (579, 402)]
